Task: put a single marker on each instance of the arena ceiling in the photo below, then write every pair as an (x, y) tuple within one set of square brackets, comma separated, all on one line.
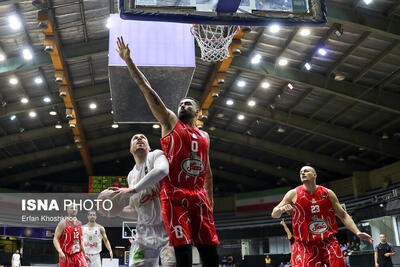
[(340, 116)]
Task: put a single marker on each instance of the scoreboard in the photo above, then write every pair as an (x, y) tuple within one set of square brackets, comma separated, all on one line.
[(100, 183)]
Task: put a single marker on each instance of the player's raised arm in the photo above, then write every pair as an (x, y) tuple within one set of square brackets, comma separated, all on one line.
[(165, 116)]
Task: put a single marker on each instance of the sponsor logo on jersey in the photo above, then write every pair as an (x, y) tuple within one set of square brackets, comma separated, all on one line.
[(76, 247), (193, 166), (318, 226)]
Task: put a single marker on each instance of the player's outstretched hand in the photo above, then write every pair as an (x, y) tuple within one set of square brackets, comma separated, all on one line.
[(123, 50), (365, 236), (283, 222), (111, 256)]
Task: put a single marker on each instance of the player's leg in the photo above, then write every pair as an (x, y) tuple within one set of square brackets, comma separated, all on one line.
[(308, 255), (79, 260), (331, 254), (208, 255), (183, 255), (95, 260), (202, 220), (167, 255), (166, 251), (177, 223), (142, 256)]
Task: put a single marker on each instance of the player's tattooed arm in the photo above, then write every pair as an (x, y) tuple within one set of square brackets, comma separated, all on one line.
[(285, 205), (166, 117), (346, 218)]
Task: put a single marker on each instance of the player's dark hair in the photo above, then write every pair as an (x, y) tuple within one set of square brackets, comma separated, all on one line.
[(197, 103), (90, 211)]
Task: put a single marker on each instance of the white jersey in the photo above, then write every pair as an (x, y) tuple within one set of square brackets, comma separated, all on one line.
[(16, 259), (92, 239), (147, 202)]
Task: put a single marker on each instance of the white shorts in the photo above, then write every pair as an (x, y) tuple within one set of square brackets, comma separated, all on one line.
[(151, 244), (95, 260)]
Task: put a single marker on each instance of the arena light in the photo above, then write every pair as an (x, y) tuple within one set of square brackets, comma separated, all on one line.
[(256, 59), (281, 129), (24, 100), (115, 125), (241, 83), (322, 51), (283, 62), (2, 57), (305, 32), (58, 125), (27, 53), (15, 22), (240, 117), (274, 28), (290, 86), (229, 102), (13, 117), (265, 85), (46, 99), (156, 126), (13, 81), (52, 112), (307, 66), (251, 103), (38, 80), (212, 128), (92, 106), (32, 114), (367, 2)]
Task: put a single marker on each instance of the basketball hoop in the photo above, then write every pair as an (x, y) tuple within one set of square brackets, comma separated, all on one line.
[(214, 40)]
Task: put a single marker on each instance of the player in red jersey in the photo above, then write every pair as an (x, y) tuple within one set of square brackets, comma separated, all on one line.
[(313, 209), (187, 192), (67, 241)]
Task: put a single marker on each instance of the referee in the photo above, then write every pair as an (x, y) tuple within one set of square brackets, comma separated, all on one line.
[(383, 253)]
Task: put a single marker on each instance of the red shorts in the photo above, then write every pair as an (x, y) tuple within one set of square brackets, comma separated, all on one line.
[(74, 260), (317, 253), (189, 219)]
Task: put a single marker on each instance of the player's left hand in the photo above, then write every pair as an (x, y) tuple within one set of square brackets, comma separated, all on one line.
[(111, 256), (365, 236), (387, 254)]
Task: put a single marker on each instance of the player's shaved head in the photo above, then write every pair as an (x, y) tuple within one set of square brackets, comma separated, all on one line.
[(309, 168)]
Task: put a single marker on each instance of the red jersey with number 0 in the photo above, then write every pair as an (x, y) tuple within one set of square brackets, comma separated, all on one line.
[(313, 217), (186, 149), (70, 240)]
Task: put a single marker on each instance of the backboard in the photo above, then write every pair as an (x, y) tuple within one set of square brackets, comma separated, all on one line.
[(227, 12)]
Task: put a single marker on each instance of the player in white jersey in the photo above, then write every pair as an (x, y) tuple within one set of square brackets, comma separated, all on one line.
[(16, 259), (152, 240), (92, 236)]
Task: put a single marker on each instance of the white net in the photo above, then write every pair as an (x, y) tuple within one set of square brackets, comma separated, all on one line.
[(214, 40)]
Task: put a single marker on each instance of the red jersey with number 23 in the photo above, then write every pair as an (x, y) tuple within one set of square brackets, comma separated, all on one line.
[(70, 240), (313, 217), (186, 149)]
